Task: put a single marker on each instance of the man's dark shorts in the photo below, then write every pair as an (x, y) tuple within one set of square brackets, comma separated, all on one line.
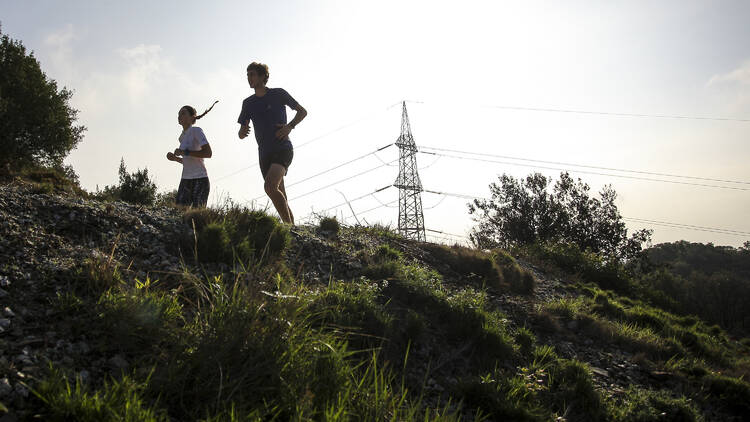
[(282, 156)]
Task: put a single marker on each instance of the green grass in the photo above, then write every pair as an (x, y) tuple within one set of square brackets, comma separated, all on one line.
[(641, 405), (116, 400), (253, 343)]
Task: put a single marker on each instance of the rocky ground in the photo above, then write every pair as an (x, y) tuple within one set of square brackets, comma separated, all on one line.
[(44, 236)]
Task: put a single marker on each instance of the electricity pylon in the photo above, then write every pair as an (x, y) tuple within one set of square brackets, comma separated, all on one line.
[(410, 216)]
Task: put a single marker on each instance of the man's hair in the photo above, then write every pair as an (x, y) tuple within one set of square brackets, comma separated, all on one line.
[(261, 69)]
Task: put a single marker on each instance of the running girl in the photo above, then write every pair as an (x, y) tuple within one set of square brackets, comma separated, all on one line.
[(194, 147)]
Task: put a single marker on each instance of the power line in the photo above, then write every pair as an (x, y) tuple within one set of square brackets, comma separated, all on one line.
[(688, 226), (638, 220), (302, 145), (446, 233), (357, 198), (605, 113), (379, 206), (342, 180), (332, 168), (457, 195), (585, 166), (588, 172)]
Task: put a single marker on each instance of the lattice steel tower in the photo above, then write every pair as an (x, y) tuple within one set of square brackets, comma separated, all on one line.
[(410, 216)]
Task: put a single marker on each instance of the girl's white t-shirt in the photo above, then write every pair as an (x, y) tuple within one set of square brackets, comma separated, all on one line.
[(191, 140)]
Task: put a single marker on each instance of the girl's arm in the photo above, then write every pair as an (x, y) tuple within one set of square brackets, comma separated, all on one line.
[(172, 157), (205, 152)]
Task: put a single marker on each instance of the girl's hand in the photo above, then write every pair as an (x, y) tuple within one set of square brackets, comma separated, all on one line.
[(171, 157), (178, 152)]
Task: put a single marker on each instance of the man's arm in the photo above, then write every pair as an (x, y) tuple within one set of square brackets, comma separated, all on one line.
[(284, 130)]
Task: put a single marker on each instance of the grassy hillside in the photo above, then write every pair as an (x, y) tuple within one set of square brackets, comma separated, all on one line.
[(118, 312)]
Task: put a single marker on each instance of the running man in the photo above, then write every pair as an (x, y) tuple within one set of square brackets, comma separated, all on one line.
[(267, 110)]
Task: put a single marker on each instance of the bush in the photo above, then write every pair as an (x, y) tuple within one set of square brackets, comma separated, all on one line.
[(135, 188), (590, 266), (468, 263), (38, 124), (237, 234), (330, 225)]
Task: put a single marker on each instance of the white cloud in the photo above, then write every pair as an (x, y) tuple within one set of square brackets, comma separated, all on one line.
[(733, 87), (59, 49)]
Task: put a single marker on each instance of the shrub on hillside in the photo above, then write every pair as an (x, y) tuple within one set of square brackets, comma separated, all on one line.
[(55, 179), (135, 188), (236, 234), (590, 266), (330, 225), (468, 263)]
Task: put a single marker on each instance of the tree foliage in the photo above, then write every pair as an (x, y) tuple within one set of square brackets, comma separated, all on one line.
[(136, 188), (710, 281), (36, 122), (524, 211)]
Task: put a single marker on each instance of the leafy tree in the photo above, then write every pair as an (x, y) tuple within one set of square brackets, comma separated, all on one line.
[(523, 211), (37, 124)]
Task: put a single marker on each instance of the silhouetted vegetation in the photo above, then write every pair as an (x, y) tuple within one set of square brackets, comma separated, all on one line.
[(710, 281), (136, 188), (523, 212), (38, 124)]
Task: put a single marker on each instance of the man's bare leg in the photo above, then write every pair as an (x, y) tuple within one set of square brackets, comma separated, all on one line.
[(274, 179), (283, 191)]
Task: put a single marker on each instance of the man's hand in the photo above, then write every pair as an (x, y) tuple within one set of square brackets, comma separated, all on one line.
[(178, 152), (171, 156), (283, 131), (244, 130)]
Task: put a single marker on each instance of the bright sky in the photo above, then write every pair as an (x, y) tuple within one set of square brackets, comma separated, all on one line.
[(133, 64)]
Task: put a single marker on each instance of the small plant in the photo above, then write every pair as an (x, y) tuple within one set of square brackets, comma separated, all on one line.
[(572, 387), (330, 225)]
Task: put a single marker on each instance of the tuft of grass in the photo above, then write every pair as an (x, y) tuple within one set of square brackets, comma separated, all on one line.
[(503, 397), (574, 393), (525, 340), (116, 400), (732, 393), (520, 280), (352, 309), (641, 405), (136, 320), (236, 234), (469, 263), (330, 225), (385, 263)]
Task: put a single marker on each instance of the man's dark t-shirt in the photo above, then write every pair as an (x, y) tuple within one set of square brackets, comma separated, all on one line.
[(266, 112)]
